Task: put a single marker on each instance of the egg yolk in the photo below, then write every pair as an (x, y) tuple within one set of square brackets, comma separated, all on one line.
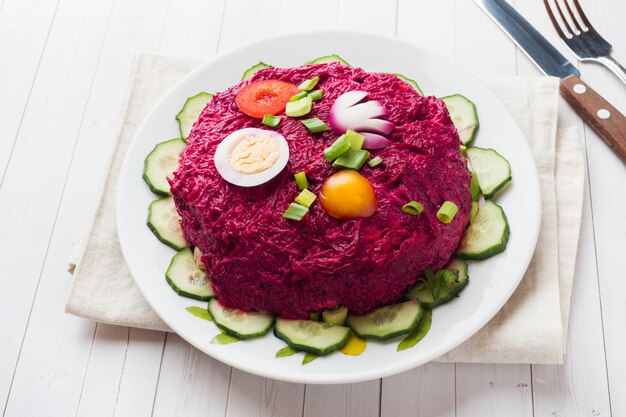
[(348, 195)]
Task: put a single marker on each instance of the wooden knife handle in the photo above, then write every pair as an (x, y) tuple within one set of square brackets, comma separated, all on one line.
[(596, 111)]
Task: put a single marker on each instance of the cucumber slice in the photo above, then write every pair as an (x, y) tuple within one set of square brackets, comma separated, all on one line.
[(410, 82), (161, 163), (487, 234), (238, 323), (463, 114), (328, 59), (492, 169), (422, 290), (386, 322), (188, 115), (474, 187), (164, 221), (186, 278), (336, 316), (312, 336), (253, 69)]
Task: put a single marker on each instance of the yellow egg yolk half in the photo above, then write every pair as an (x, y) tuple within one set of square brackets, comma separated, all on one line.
[(348, 195)]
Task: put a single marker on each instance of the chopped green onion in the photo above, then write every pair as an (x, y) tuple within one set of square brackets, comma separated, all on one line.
[(413, 207), (352, 159), (449, 277), (298, 96), (375, 161), (315, 125), (316, 95), (299, 108), (271, 120), (338, 147), (474, 187), (301, 181), (295, 212), (463, 148), (356, 140), (447, 211), (308, 85), (306, 198), (474, 211)]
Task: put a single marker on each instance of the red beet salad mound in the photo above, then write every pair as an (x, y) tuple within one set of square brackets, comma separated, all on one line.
[(259, 260)]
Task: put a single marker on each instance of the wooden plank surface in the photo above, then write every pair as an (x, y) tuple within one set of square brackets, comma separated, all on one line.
[(61, 78)]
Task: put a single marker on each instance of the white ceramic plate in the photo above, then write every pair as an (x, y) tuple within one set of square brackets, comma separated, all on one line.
[(491, 282)]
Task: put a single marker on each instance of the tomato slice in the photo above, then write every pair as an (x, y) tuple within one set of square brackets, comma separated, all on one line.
[(265, 97)]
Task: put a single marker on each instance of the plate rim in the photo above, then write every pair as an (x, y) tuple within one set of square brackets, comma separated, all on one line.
[(330, 378)]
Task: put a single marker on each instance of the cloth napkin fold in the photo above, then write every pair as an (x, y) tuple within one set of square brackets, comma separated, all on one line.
[(532, 326)]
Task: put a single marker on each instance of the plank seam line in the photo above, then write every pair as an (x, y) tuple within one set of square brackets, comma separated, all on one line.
[(82, 386), (532, 389), (595, 251), (230, 382), (380, 397), (119, 383), (455, 396), (395, 32), (167, 10), (30, 91), (156, 388), (58, 209), (219, 37), (303, 399)]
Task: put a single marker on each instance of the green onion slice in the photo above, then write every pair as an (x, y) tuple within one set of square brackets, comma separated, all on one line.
[(308, 85), (375, 161), (301, 181), (338, 147), (447, 211), (413, 207), (295, 212), (352, 159), (315, 125), (298, 96), (271, 120), (474, 211), (356, 140), (299, 108), (306, 198), (316, 95)]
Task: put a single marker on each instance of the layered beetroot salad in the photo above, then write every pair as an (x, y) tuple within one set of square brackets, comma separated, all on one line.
[(331, 195)]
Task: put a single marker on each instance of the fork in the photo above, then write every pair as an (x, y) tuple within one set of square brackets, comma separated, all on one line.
[(582, 39)]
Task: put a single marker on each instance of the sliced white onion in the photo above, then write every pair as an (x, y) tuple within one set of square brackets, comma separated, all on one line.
[(346, 114), (375, 141), (349, 99)]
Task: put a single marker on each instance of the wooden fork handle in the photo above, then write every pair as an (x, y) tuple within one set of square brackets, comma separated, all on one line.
[(609, 122)]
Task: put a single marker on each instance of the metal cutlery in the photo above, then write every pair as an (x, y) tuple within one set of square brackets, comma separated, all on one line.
[(609, 122), (582, 38)]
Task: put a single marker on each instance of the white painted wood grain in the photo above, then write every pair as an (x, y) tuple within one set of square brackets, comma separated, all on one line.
[(361, 399), (253, 396), (425, 391), (24, 29), (190, 383), (493, 390)]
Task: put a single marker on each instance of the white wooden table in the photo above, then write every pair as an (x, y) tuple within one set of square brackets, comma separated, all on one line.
[(62, 64)]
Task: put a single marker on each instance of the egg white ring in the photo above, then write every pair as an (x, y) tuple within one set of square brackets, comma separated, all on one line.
[(225, 149)]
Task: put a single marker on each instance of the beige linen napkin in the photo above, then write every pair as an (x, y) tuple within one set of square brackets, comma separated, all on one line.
[(532, 326)]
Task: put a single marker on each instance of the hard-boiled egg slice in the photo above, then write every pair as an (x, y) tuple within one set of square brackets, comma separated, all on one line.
[(250, 157)]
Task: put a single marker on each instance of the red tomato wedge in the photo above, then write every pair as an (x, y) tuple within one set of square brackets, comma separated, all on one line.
[(265, 97)]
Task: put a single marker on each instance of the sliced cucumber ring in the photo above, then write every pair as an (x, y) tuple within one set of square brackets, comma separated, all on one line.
[(336, 316), (238, 323), (487, 235), (410, 82), (492, 169), (188, 115), (422, 290), (186, 278), (164, 221), (312, 336), (328, 59), (253, 69), (386, 322), (464, 116), (161, 163)]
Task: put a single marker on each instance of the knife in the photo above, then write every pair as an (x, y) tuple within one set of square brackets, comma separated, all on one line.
[(607, 121)]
